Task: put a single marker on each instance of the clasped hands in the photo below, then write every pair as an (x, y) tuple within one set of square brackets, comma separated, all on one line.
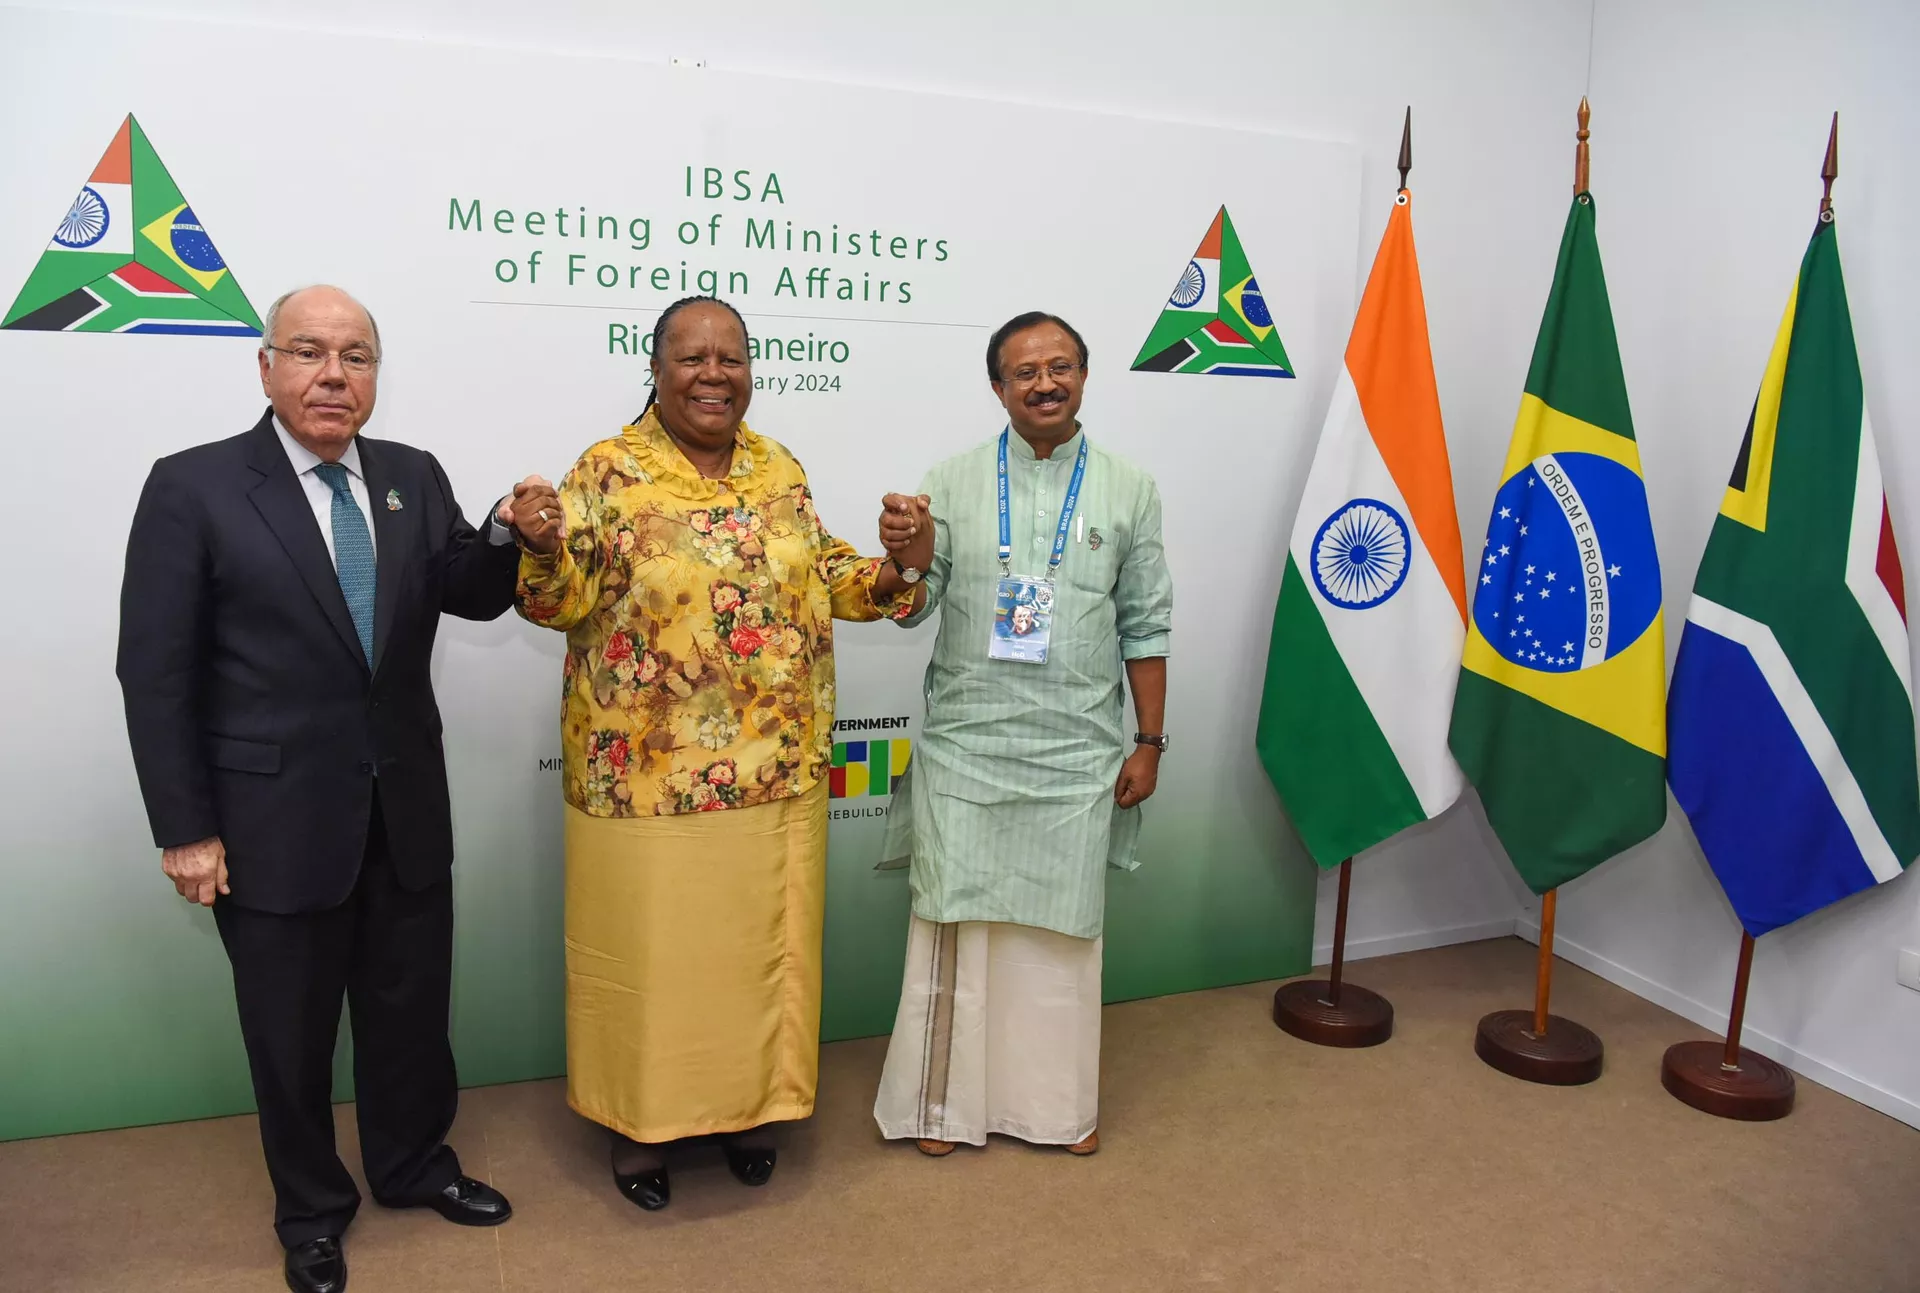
[(533, 512), (906, 529)]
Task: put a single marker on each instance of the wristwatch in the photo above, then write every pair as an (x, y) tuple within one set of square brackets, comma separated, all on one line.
[(907, 573), (1158, 742)]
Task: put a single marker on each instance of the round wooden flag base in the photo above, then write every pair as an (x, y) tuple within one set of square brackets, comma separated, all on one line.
[(1567, 1054), (1306, 1010), (1695, 1073)]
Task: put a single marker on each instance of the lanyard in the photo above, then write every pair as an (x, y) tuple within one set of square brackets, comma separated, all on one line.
[(1066, 510)]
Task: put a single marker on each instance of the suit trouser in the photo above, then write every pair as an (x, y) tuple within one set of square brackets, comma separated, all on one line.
[(389, 951)]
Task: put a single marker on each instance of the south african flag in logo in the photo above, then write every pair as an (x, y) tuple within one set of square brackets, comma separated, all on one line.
[(130, 256), (1216, 320)]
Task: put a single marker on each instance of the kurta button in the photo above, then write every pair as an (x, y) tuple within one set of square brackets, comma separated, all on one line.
[(366, 765)]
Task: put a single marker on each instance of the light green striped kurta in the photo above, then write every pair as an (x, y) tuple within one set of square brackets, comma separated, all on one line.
[(1007, 807)]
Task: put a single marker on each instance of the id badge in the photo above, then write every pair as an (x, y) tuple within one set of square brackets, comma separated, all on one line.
[(1022, 620)]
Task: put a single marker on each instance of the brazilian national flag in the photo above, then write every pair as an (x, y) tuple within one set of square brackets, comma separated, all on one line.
[(1559, 720)]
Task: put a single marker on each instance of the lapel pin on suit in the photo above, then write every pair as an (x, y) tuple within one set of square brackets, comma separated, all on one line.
[(393, 500)]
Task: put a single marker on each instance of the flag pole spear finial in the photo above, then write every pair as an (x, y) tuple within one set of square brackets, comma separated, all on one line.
[(1830, 170), (1580, 149), (1406, 147)]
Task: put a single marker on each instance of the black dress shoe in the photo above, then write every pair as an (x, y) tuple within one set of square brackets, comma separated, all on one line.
[(317, 1266), (467, 1202), (751, 1166), (648, 1190)]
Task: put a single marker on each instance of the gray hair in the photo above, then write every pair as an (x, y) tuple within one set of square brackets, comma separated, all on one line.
[(273, 318)]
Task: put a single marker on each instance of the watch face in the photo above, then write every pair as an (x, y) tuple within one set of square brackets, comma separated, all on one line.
[(909, 574)]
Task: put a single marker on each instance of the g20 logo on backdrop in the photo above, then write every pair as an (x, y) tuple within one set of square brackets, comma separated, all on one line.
[(130, 255)]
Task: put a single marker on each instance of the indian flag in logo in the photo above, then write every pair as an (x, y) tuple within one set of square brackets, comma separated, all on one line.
[(1216, 318), (867, 769), (96, 275)]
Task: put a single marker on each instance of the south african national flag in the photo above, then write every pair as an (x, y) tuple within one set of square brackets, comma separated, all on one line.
[(1792, 706), (1216, 320), (1559, 721), (131, 256)]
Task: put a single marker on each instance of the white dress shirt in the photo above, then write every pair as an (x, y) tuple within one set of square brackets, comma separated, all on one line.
[(320, 494)]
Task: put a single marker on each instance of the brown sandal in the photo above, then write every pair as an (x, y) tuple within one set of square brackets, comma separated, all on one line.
[(1091, 1145), (934, 1148)]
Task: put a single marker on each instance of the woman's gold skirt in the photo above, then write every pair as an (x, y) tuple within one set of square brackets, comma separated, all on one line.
[(693, 967)]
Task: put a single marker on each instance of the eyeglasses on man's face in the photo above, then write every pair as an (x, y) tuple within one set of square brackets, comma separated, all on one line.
[(1060, 370), (355, 361)]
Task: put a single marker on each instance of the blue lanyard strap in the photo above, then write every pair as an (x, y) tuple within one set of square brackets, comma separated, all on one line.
[(1066, 510)]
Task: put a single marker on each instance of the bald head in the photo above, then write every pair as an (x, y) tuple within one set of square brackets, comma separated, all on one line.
[(336, 294), (319, 361)]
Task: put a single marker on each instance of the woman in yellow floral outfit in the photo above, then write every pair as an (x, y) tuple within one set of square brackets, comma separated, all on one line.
[(697, 589)]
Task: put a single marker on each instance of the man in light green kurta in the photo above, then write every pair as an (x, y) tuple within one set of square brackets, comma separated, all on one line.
[(1025, 785)]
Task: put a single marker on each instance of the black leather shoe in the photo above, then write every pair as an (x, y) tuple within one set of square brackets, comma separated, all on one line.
[(751, 1166), (648, 1190), (468, 1202), (317, 1266)]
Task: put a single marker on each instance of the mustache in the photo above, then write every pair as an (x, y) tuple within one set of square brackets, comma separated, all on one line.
[(1046, 397)]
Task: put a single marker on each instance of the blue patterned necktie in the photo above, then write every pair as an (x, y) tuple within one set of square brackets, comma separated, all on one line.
[(352, 553)]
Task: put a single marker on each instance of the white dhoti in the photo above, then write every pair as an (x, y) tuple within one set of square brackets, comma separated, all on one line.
[(998, 1031)]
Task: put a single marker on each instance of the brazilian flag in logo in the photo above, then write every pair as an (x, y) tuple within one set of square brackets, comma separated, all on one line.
[(1216, 320), (1559, 720), (130, 255)]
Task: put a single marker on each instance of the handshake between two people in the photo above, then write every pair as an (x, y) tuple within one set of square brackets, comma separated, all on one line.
[(906, 529), (534, 514)]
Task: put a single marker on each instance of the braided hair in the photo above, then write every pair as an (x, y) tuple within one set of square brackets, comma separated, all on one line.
[(660, 333)]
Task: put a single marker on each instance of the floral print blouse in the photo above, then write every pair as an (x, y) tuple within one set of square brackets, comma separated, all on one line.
[(699, 620)]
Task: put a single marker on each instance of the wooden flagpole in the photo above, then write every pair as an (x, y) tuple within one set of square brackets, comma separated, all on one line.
[(1723, 1078), (1727, 1080), (1537, 1045), (1330, 1011)]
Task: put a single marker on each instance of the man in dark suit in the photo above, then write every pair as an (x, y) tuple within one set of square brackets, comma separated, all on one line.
[(282, 593)]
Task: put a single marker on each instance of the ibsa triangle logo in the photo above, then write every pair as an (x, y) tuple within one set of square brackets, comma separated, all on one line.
[(130, 256), (1215, 320)]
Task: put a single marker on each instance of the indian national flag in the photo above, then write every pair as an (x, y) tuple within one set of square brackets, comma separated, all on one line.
[(1372, 611), (1792, 705)]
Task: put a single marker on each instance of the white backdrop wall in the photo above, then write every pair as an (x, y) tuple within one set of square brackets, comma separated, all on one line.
[(1710, 122), (1493, 83), (433, 188), (1485, 143)]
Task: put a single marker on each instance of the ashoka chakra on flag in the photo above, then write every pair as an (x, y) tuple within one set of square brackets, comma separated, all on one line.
[(1192, 283), (85, 222), (1360, 554)]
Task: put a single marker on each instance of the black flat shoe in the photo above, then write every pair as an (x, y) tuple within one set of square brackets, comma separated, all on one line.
[(467, 1202), (648, 1190), (751, 1166), (317, 1266)]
